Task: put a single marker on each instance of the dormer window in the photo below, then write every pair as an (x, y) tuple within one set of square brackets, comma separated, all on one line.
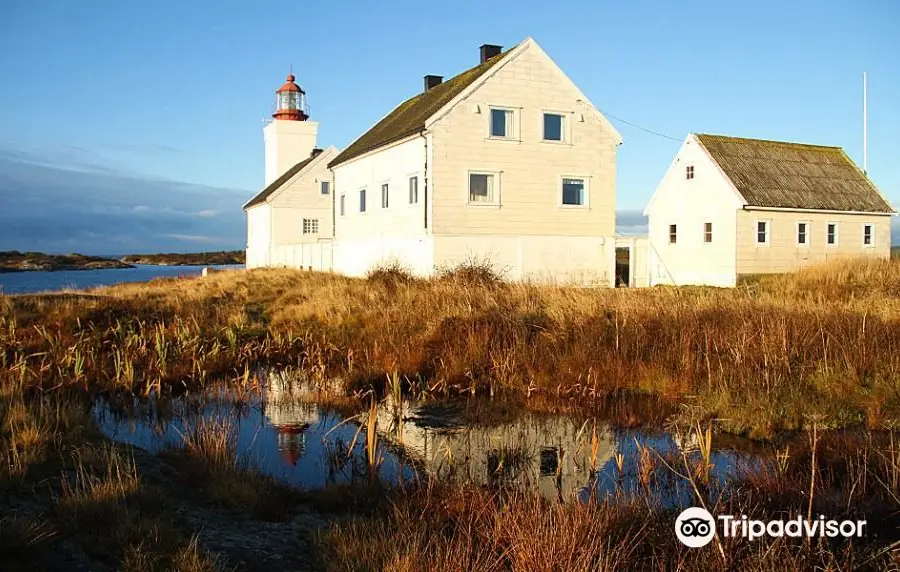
[(689, 172)]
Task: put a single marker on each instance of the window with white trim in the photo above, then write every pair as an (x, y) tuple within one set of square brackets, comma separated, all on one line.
[(554, 127), (762, 232), (868, 235), (503, 123), (413, 190), (673, 233), (831, 234), (483, 189), (689, 172), (574, 192), (803, 233), (384, 196), (707, 232), (362, 200), (326, 187), (310, 226)]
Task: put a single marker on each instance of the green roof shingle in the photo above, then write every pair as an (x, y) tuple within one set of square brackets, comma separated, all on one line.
[(409, 117), (779, 174)]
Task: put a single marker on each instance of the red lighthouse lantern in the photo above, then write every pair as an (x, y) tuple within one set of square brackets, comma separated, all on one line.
[(290, 102)]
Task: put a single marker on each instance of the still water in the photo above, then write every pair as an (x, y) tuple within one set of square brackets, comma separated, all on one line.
[(282, 431), (40, 281)]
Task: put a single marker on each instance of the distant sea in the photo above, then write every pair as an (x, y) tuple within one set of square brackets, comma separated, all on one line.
[(26, 282)]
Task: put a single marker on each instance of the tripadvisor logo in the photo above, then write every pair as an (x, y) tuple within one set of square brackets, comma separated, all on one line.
[(695, 527)]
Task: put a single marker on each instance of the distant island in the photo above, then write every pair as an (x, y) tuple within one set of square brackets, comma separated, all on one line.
[(15, 261), (189, 259)]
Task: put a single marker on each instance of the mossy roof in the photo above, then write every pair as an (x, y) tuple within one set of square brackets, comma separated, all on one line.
[(793, 175), (409, 117), (277, 183)]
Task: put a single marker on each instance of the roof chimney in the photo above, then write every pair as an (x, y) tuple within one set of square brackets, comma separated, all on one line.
[(489, 50), (433, 81)]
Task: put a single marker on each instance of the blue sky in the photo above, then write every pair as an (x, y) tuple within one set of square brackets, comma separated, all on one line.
[(163, 102)]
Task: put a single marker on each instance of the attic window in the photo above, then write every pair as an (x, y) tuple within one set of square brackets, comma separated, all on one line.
[(689, 172), (673, 233), (707, 232), (554, 127), (503, 123), (326, 187)]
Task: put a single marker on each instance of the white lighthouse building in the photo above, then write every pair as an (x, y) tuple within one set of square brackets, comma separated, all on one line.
[(290, 222)]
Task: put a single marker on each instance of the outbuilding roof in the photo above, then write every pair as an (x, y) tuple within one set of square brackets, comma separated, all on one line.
[(778, 174)]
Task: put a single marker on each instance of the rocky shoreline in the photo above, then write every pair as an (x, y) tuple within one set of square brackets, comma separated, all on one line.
[(14, 261), (188, 259)]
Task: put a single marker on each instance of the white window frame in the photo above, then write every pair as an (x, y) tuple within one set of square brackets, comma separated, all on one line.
[(807, 233), (310, 226), (566, 127), (587, 192), (689, 172), (515, 124), (837, 234), (409, 180), (385, 194), (672, 233), (495, 203), (768, 223), (324, 187), (710, 241), (343, 204), (863, 237)]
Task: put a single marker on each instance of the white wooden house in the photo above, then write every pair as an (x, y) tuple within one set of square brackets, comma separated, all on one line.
[(729, 207)]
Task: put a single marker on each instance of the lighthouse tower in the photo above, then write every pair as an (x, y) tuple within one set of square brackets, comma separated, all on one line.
[(290, 137)]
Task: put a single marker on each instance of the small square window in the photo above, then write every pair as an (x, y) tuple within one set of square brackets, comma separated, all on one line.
[(413, 190), (384, 196), (310, 226), (362, 200), (573, 192), (689, 172), (673, 233), (501, 123), (481, 188), (326, 187), (832, 234), (343, 203), (554, 126), (707, 232), (802, 232), (762, 232), (868, 235)]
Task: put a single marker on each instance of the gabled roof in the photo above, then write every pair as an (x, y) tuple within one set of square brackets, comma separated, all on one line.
[(409, 117), (778, 174), (277, 183)]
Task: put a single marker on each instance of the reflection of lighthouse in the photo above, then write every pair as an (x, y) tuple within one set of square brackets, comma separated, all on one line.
[(291, 417)]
